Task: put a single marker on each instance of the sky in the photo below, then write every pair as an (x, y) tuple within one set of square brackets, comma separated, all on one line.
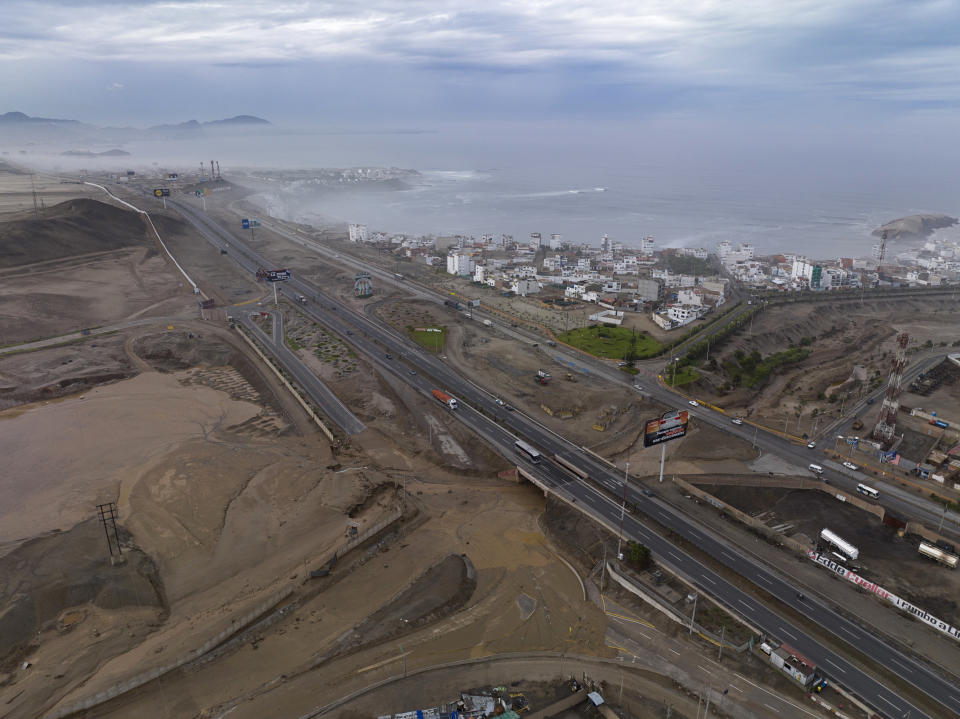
[(847, 67)]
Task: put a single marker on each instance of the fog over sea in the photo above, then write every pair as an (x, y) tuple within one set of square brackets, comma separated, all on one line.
[(820, 201)]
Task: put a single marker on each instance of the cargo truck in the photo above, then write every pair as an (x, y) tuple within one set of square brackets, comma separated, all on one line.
[(487, 323), (451, 402)]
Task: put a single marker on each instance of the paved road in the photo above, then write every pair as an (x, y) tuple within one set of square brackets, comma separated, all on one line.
[(900, 501), (319, 393), (500, 427)]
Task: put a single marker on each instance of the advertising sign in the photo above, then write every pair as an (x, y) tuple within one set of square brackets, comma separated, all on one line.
[(273, 275), (672, 425), (896, 601)]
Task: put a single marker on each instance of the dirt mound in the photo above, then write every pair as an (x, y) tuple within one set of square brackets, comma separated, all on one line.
[(173, 351), (75, 227), (46, 575)]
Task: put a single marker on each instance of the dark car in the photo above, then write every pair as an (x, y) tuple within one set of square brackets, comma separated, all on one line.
[(389, 356), (648, 492)]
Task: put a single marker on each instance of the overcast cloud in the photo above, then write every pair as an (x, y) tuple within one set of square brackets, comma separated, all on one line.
[(417, 62)]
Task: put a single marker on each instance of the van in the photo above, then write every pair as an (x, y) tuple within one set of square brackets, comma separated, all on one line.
[(816, 468)]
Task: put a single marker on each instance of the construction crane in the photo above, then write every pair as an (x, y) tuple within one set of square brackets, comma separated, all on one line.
[(887, 422), (882, 251)]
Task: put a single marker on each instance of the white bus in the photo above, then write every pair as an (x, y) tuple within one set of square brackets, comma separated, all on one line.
[(525, 449), (869, 491)]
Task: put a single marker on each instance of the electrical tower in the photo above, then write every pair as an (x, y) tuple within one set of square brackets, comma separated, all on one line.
[(881, 253), (883, 432)]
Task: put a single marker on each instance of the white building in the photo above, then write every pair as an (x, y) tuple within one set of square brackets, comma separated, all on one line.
[(458, 264), (479, 273), (358, 233), (690, 297), (647, 245), (556, 241), (525, 286)]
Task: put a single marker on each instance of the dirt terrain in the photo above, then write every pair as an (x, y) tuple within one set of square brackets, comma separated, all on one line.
[(851, 345), (228, 498)]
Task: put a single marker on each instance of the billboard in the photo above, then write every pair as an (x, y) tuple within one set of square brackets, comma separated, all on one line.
[(672, 425), (162, 192), (273, 275)]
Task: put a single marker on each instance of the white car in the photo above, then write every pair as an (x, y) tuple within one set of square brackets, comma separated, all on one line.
[(693, 403), (851, 465), (737, 420), (638, 388), (811, 445)]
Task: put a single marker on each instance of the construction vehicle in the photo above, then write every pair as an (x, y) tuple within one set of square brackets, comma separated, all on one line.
[(543, 377), (451, 402)]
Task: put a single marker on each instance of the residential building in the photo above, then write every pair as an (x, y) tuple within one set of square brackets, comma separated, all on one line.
[(358, 233)]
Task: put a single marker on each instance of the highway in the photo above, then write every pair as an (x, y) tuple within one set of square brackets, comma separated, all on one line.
[(900, 501), (478, 411)]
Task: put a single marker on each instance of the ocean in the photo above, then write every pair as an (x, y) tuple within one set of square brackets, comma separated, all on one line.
[(819, 203)]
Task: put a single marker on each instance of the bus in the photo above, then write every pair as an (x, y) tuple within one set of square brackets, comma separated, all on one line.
[(525, 449), (869, 491)]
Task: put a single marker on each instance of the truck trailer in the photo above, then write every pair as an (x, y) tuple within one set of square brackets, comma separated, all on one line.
[(451, 402)]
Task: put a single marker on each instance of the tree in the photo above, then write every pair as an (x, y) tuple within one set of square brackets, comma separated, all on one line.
[(638, 555)]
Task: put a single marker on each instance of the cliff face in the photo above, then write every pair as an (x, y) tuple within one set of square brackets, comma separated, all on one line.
[(914, 227)]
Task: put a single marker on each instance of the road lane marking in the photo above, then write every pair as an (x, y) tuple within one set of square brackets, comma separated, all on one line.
[(734, 686), (745, 604), (844, 629), (900, 664), (889, 702), (628, 619), (764, 579), (773, 709), (728, 556), (840, 669), (675, 556), (709, 580), (700, 666), (674, 651), (787, 633), (785, 701)]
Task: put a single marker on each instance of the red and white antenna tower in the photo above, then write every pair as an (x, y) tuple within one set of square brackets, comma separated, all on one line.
[(883, 432)]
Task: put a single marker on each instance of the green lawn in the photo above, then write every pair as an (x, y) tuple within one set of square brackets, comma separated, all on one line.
[(684, 375), (612, 342), (432, 341)]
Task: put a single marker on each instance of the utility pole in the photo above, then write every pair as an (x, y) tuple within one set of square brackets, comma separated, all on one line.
[(693, 614), (720, 649)]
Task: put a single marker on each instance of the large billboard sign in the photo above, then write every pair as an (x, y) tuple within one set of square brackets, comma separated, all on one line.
[(273, 275), (672, 425)]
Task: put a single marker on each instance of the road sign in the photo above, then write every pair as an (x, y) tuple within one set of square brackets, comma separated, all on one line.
[(245, 223), (672, 425), (254, 222), (162, 192)]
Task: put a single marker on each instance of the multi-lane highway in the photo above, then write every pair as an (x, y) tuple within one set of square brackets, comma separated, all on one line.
[(902, 502), (479, 411)]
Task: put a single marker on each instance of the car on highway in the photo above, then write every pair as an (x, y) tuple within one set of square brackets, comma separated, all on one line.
[(349, 332), (851, 465), (508, 408), (389, 356), (693, 403), (638, 388), (499, 401), (413, 371), (648, 492), (811, 445), (737, 420)]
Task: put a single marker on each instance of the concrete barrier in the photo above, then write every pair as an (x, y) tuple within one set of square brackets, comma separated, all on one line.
[(286, 383)]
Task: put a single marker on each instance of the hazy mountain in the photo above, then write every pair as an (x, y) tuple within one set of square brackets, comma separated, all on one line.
[(20, 117), (914, 226)]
